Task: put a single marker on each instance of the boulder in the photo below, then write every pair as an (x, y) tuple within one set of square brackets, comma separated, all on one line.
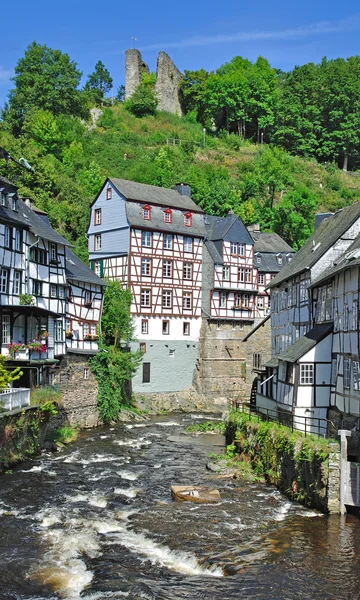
[(191, 493)]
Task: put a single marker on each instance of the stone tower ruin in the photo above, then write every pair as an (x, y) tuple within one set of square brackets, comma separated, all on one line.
[(134, 68), (168, 78)]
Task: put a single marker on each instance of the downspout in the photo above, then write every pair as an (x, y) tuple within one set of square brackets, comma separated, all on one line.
[(27, 265)]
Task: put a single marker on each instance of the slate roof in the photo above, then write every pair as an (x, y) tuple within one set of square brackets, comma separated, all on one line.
[(269, 263), (269, 242), (134, 213), (325, 236), (219, 229), (28, 219), (306, 343), (350, 258), (153, 194), (75, 269)]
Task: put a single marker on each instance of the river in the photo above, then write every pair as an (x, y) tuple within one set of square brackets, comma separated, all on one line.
[(97, 521)]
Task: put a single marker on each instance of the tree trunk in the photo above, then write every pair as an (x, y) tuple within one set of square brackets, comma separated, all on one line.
[(345, 165)]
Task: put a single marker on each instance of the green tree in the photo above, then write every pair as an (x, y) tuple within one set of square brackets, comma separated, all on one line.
[(6, 376), (114, 364), (45, 79), (143, 102), (100, 81)]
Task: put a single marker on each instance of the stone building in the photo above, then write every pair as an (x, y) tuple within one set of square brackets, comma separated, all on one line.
[(168, 78)]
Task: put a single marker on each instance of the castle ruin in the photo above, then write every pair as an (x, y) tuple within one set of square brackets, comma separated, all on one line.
[(168, 78)]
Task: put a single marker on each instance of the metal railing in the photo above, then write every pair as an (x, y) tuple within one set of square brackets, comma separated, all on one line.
[(306, 425), (12, 398)]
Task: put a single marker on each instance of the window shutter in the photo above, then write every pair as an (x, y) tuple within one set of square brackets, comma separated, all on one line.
[(101, 268), (92, 265)]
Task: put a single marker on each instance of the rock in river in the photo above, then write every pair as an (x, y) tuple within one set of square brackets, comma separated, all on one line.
[(191, 493)]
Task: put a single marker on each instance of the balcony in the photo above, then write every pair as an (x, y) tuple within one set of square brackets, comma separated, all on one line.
[(13, 398)]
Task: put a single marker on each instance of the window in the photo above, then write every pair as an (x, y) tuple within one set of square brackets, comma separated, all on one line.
[(61, 292), (93, 329), (146, 373), (356, 375), (54, 255), (52, 291), (146, 266), (85, 330), (14, 204), (168, 240), (36, 287), (279, 259), (166, 327), (167, 299), (225, 274), (146, 239), (248, 273), (18, 240), (38, 255), (187, 270), (97, 216), (147, 213), (187, 300), (144, 326), (186, 328), (244, 300), (222, 300), (17, 283), (8, 236), (5, 329), (108, 193), (258, 259), (145, 298), (257, 360), (333, 371), (59, 331), (188, 244), (306, 374), (188, 219), (346, 373), (98, 241), (98, 268), (167, 268), (233, 247), (346, 317), (172, 353), (241, 274), (303, 290), (87, 298), (261, 278), (260, 301), (241, 249), (4, 281), (168, 215), (142, 347), (86, 372), (354, 324)]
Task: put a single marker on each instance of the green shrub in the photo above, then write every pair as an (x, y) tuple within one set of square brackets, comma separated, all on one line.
[(66, 434)]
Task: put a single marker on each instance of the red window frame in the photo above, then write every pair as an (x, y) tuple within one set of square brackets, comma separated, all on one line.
[(188, 219), (168, 215), (147, 212)]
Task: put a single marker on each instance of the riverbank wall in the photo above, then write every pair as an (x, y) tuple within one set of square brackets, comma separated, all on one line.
[(24, 432), (306, 469)]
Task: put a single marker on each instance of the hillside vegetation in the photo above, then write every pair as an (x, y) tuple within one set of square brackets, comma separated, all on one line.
[(210, 148)]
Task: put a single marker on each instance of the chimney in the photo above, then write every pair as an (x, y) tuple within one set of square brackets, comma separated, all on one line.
[(321, 217), (183, 188), (254, 227)]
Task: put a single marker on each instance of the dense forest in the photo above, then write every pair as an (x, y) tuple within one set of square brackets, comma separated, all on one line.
[(264, 144)]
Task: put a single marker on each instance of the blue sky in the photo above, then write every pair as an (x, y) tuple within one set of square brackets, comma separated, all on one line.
[(195, 33)]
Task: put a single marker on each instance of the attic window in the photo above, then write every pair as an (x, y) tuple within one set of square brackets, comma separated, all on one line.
[(258, 259), (147, 213), (279, 259), (188, 219), (168, 215), (108, 193)]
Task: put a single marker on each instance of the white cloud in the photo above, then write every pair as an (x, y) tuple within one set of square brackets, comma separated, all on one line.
[(297, 33), (5, 74)]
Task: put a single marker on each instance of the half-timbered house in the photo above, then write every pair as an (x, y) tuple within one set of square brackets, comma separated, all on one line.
[(298, 377), (151, 239)]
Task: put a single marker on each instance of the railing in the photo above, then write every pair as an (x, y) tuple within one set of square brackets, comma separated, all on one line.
[(306, 425), (12, 398)]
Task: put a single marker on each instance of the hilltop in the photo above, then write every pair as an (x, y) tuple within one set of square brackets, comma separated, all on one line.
[(261, 183)]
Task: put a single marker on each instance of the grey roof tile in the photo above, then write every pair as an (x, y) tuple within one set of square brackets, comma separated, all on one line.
[(134, 212), (153, 194), (269, 242), (75, 269), (328, 232), (350, 258), (305, 343)]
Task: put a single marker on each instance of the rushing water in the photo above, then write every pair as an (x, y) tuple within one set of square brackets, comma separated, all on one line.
[(97, 522)]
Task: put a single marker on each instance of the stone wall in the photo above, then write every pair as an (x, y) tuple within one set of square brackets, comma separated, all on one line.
[(167, 89), (225, 365), (134, 68), (80, 390), (338, 420)]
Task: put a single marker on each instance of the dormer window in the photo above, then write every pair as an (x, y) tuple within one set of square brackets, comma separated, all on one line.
[(14, 203), (108, 193), (188, 219), (147, 213), (4, 199), (168, 215), (258, 259), (279, 259)]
